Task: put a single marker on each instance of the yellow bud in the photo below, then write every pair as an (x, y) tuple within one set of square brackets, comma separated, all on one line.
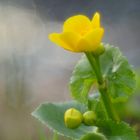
[(89, 117), (100, 50), (72, 118)]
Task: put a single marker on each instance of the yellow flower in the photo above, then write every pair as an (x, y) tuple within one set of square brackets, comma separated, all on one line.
[(79, 34)]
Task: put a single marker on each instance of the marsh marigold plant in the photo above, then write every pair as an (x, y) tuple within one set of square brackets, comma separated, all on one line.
[(80, 34), (101, 83)]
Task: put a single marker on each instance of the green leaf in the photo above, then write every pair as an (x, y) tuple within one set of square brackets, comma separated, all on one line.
[(116, 131), (52, 115), (82, 79), (115, 68), (94, 136), (119, 74)]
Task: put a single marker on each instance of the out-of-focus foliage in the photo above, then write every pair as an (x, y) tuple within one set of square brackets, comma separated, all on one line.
[(131, 111)]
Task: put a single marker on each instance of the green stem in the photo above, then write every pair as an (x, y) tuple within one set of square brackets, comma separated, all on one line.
[(95, 64), (55, 136), (92, 61)]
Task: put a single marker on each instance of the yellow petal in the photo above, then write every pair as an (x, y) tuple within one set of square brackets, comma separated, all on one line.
[(55, 37), (80, 24), (96, 20), (83, 45), (66, 40), (93, 39), (71, 39)]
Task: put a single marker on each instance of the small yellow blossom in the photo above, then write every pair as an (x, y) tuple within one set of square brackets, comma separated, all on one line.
[(79, 34)]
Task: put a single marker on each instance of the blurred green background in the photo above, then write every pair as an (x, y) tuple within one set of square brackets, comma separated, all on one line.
[(33, 70)]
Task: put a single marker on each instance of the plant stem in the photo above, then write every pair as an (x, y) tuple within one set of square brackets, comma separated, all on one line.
[(55, 136), (95, 64)]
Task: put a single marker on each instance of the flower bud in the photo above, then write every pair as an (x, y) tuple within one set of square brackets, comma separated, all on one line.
[(72, 118), (89, 117), (100, 50)]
